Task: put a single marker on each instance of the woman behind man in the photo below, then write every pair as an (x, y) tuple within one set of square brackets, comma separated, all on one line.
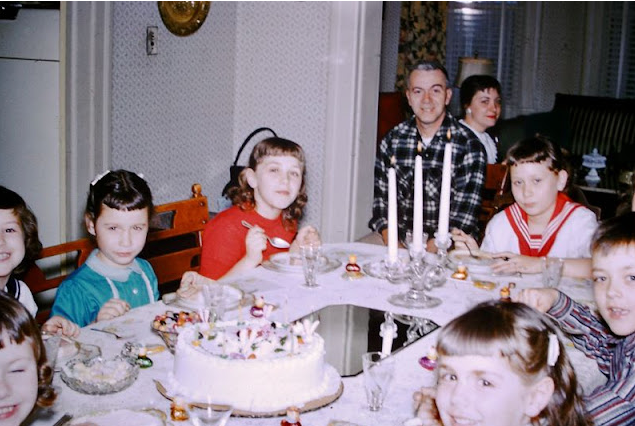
[(481, 104)]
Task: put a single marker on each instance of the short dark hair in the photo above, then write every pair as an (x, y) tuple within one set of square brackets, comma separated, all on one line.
[(121, 190), (474, 84), (428, 65), (10, 200), (16, 326), (614, 232), (536, 149)]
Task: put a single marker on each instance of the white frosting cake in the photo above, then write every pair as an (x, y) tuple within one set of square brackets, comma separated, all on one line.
[(259, 367)]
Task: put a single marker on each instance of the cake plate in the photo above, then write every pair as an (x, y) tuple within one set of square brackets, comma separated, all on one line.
[(308, 406)]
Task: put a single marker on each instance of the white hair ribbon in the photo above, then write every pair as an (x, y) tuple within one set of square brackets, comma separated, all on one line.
[(553, 352), (98, 177)]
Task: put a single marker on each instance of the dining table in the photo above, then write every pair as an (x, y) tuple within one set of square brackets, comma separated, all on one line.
[(292, 300)]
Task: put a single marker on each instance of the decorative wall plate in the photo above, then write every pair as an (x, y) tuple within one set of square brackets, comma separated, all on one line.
[(183, 18)]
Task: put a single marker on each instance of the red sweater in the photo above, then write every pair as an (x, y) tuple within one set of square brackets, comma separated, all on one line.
[(224, 239)]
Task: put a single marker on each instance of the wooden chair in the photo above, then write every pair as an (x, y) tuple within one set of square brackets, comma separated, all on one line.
[(173, 246), (495, 196)]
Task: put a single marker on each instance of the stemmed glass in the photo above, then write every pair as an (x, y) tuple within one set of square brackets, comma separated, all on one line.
[(437, 274), (209, 414), (310, 260)]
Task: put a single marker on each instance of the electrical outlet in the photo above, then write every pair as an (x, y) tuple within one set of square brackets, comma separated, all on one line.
[(151, 40)]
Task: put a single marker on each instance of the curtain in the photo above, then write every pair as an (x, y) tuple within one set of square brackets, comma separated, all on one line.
[(422, 36)]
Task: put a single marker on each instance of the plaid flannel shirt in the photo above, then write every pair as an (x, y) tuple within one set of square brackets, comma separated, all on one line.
[(468, 176), (613, 403)]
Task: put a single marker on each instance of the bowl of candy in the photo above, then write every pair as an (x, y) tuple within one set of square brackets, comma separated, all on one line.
[(169, 325), (99, 376)]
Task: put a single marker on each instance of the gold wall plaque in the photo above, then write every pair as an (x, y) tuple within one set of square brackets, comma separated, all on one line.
[(183, 18)]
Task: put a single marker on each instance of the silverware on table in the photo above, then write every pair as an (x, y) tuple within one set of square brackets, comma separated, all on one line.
[(64, 419), (112, 333), (276, 242)]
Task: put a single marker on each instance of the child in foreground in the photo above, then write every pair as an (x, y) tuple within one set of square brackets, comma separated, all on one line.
[(113, 279), (609, 338), (271, 197), (19, 246), (543, 221), (502, 364), (25, 376)]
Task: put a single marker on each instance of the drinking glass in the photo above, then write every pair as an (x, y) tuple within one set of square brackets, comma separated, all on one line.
[(214, 300), (551, 271), (52, 346), (310, 260), (378, 374), (210, 415)]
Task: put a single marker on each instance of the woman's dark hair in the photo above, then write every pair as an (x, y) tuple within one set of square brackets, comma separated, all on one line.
[(10, 200), (243, 195), (16, 326), (474, 84), (121, 190)]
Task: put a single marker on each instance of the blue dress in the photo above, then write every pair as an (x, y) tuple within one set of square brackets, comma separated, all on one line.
[(82, 294)]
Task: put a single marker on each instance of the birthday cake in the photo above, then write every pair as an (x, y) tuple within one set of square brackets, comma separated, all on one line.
[(257, 366)]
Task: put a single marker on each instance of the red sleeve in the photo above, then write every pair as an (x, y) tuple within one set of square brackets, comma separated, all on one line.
[(223, 244)]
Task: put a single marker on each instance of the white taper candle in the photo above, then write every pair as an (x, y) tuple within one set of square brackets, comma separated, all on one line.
[(392, 214), (417, 223), (444, 205)]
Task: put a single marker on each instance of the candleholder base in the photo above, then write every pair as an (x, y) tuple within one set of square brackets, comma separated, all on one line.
[(420, 282)]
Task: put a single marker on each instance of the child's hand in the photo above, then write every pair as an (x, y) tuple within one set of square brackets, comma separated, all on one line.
[(112, 309), (255, 244), (426, 408), (462, 240), (541, 299), (511, 263), (307, 235), (191, 284), (57, 323)]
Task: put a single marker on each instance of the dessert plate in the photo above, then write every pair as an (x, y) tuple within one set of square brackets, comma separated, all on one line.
[(232, 296), (292, 264), (475, 265), (122, 417)]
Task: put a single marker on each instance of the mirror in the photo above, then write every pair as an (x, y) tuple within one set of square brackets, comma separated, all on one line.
[(349, 331)]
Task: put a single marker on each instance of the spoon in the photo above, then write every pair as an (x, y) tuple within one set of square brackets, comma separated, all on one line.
[(276, 242), (118, 336)]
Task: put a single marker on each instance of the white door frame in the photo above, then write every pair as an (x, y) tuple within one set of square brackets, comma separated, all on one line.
[(353, 91)]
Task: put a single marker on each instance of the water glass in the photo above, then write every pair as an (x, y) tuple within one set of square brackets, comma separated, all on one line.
[(213, 295), (210, 415), (52, 346), (310, 261), (378, 373), (551, 271)]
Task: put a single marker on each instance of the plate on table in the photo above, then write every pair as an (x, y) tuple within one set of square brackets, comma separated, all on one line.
[(292, 263), (232, 296), (122, 417), (475, 265)]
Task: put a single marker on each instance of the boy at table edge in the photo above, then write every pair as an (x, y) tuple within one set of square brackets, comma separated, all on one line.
[(428, 94), (609, 338)]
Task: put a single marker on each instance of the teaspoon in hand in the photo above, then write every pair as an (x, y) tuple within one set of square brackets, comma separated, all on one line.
[(276, 242)]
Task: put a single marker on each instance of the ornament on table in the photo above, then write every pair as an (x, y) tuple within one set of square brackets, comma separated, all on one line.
[(353, 270), (292, 418), (142, 359), (178, 410), (506, 292), (429, 362), (260, 309), (460, 273)]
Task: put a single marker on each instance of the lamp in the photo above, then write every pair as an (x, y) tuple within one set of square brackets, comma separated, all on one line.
[(593, 161), (472, 66)]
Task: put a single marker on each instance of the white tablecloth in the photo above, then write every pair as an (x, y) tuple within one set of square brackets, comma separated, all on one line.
[(296, 301)]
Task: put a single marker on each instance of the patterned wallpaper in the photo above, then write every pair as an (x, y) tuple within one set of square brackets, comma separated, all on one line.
[(180, 116)]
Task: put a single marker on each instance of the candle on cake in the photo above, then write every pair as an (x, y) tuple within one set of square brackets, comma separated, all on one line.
[(392, 213), (417, 224), (444, 204)]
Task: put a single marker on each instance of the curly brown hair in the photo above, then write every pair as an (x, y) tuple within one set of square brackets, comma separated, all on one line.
[(243, 195), (10, 200), (18, 326)]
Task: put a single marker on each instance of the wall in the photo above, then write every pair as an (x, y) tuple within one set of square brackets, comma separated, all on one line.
[(180, 116)]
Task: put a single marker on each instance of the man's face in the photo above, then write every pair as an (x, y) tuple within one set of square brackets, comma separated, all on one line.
[(428, 96), (614, 287)]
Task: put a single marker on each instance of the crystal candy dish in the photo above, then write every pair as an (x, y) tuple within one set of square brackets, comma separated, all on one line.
[(99, 376)]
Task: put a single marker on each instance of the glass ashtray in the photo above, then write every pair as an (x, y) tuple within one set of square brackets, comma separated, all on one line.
[(99, 376)]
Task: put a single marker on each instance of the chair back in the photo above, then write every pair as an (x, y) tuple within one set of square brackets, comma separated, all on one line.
[(495, 196), (173, 246)]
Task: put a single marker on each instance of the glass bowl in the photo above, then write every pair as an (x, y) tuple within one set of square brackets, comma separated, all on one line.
[(99, 376)]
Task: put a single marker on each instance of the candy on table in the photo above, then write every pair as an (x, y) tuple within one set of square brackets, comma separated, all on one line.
[(429, 362), (142, 359), (353, 270), (170, 321), (292, 418), (460, 273), (178, 410), (257, 310), (505, 292)]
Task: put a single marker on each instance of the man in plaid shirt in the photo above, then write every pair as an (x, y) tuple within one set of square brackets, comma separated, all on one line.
[(433, 126)]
